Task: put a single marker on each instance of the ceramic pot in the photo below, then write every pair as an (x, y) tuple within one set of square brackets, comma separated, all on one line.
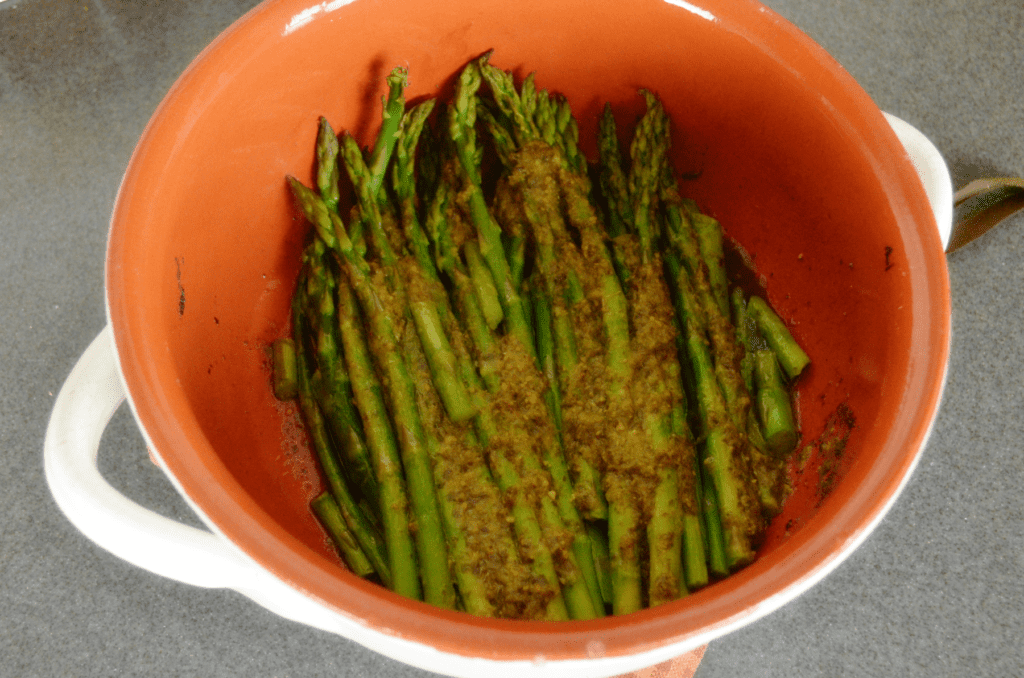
[(777, 141)]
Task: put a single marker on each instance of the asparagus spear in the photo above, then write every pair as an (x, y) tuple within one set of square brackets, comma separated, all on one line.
[(327, 171), (403, 181), (578, 605), (461, 121), (335, 393), (722, 396), (773, 405), (483, 284), (380, 320), (466, 299), (430, 541), (286, 384), (423, 311), (376, 164), (485, 559), (710, 237), (394, 106), (767, 470), (675, 523), (330, 516), (494, 426), (614, 188), (383, 445), (555, 462), (592, 301), (354, 518), (554, 516), (727, 467), (532, 191), (710, 523), (534, 182), (791, 357)]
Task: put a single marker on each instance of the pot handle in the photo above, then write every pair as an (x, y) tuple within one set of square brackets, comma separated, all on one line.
[(932, 170), (84, 406), (86, 402)]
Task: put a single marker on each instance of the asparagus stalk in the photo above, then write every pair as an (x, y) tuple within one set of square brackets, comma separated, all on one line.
[(773, 405), (380, 320), (485, 559), (431, 547), (403, 179), (435, 370), (576, 597), (461, 121), (394, 106), (387, 137), (533, 182), (711, 240), (676, 508), (334, 393), (383, 445), (718, 561), (598, 534), (791, 357), (466, 299), (517, 471), (614, 188), (532, 188), (664, 531), (767, 470), (723, 398), (503, 440), (483, 285), (727, 468), (327, 171), (357, 522), (711, 536), (423, 311), (555, 462), (286, 384), (331, 517), (556, 516), (721, 335)]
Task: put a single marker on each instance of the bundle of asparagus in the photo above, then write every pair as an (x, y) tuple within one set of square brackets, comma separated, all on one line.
[(532, 398)]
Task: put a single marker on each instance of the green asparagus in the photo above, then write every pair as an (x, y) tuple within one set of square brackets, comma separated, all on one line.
[(530, 395)]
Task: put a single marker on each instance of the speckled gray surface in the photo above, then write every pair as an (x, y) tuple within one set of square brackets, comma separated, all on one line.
[(937, 590)]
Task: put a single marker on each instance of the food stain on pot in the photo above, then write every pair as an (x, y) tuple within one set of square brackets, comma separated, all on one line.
[(296, 454), (181, 290), (829, 449), (266, 325)]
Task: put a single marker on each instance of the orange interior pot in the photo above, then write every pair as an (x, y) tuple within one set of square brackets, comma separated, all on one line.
[(784, 149)]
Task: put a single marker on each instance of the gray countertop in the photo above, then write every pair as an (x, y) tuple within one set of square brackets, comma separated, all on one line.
[(936, 590)]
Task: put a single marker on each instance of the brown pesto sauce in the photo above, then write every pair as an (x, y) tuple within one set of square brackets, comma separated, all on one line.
[(524, 430), (604, 416), (487, 549), (655, 370)]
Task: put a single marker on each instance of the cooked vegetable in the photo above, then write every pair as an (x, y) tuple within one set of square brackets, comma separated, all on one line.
[(286, 380), (331, 517), (527, 395), (791, 357), (773, 405)]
